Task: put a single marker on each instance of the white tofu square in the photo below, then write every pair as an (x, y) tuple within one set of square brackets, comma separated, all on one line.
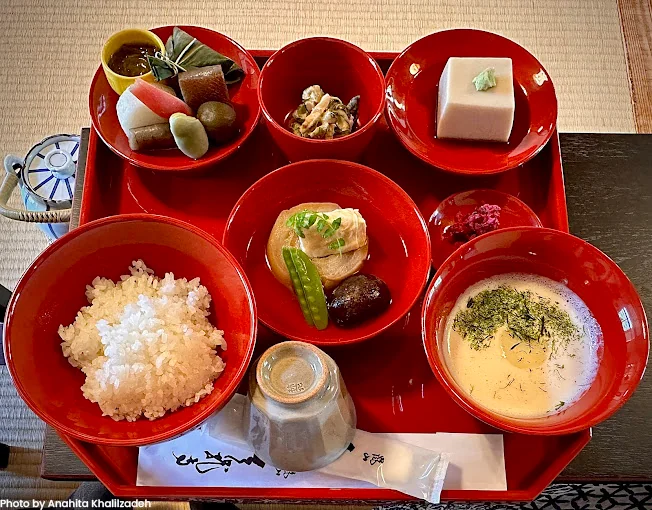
[(466, 113)]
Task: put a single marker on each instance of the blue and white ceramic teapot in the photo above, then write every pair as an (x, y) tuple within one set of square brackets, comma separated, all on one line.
[(46, 178)]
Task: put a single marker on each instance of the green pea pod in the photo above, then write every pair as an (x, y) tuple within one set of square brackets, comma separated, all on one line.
[(296, 283), (312, 288)]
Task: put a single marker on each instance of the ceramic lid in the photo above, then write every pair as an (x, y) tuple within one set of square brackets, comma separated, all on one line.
[(50, 168), (292, 372)]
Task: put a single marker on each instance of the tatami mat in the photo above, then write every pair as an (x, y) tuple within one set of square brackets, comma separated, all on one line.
[(50, 50), (24, 432)]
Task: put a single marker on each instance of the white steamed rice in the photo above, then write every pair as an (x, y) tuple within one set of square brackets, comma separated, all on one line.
[(145, 344)]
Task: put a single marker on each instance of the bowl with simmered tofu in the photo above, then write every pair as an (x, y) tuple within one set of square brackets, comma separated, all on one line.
[(336, 252), (470, 102)]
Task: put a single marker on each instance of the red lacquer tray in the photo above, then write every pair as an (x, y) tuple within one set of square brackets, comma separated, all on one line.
[(388, 377)]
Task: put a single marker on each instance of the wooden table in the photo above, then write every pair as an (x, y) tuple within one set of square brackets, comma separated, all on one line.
[(609, 196)]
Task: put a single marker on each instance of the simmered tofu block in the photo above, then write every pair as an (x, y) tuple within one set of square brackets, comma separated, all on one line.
[(352, 229), (465, 112)]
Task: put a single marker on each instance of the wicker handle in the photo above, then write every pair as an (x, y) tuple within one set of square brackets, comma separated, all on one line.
[(7, 187)]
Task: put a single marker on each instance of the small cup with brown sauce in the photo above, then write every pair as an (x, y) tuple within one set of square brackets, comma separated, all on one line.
[(299, 415), (124, 57)]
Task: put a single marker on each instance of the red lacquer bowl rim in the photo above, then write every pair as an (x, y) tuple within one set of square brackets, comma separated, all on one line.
[(192, 164), (197, 418), (375, 174), (505, 423), (335, 141), (431, 159)]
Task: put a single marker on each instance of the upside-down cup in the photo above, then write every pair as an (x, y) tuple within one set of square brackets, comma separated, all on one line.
[(341, 69), (300, 415)]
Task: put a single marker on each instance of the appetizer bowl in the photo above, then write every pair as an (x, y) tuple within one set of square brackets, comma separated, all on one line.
[(580, 267), (412, 92), (513, 213), (102, 104), (398, 242), (52, 291), (342, 70), (118, 82)]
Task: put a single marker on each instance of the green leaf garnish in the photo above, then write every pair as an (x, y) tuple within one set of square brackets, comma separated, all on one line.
[(337, 244), (560, 405), (306, 219)]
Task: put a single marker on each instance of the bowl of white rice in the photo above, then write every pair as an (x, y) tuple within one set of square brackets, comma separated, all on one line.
[(130, 330)]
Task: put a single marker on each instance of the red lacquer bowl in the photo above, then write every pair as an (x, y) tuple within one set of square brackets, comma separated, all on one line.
[(51, 292), (412, 88), (399, 246), (102, 101), (341, 69), (590, 274), (513, 213)]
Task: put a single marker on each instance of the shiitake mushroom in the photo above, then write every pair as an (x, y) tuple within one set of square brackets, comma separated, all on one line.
[(358, 298)]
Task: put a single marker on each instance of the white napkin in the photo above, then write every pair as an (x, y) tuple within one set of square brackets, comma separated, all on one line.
[(199, 459)]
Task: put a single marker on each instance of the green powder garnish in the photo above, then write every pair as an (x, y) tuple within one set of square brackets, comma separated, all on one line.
[(528, 318), (485, 80)]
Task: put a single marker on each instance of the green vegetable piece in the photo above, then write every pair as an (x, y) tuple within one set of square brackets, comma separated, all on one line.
[(485, 80), (311, 286), (296, 283)]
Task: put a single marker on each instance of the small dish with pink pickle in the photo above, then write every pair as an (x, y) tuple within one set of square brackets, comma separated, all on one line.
[(469, 214)]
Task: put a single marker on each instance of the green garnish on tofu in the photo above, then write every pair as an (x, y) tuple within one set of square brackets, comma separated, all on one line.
[(485, 80)]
